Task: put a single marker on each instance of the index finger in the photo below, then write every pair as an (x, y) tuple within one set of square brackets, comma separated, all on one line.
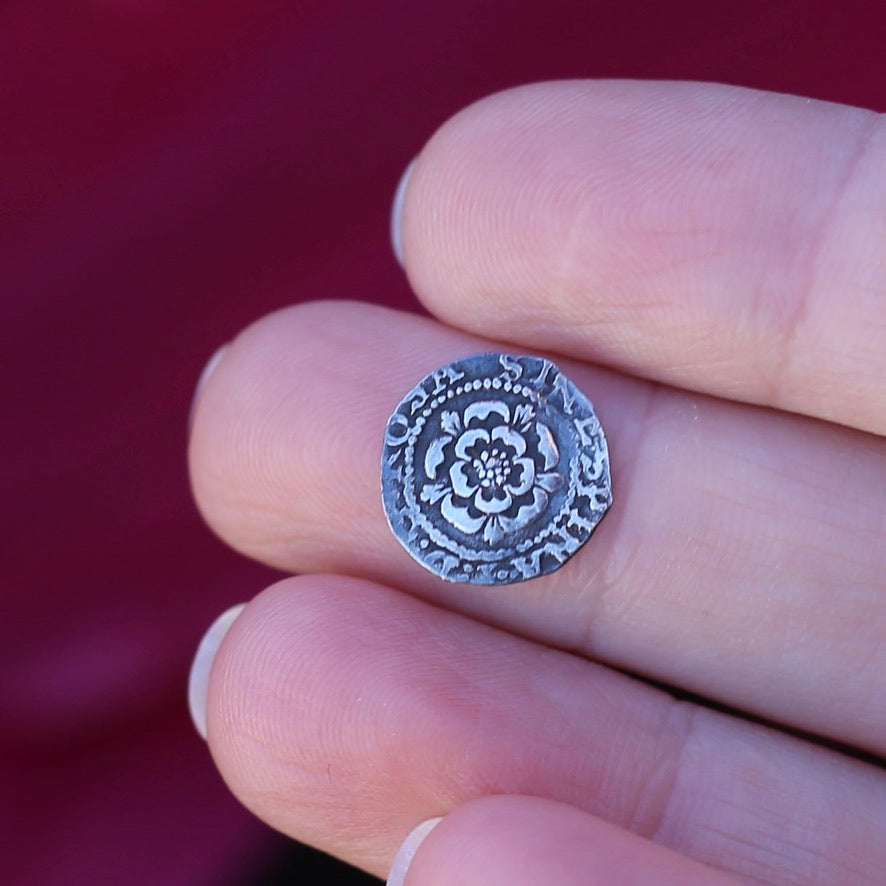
[(715, 238)]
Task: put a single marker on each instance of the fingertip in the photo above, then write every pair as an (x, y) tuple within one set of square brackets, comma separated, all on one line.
[(514, 840)]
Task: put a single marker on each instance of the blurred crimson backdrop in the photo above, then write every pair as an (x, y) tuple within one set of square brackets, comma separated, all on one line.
[(169, 173)]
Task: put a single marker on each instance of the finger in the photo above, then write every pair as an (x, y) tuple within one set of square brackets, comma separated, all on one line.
[(741, 559), (714, 238), (512, 841), (343, 712)]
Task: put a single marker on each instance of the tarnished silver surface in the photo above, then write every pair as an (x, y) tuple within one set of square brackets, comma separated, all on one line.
[(495, 470)]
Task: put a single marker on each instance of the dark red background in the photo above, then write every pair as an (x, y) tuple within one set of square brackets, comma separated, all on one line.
[(171, 171)]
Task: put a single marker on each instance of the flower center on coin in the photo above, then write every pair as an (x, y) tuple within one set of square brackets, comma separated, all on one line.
[(493, 467)]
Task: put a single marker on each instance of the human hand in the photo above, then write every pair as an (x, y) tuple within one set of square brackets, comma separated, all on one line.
[(707, 265)]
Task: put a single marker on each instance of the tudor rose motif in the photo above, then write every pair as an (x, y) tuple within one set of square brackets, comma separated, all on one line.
[(495, 469), (496, 482)]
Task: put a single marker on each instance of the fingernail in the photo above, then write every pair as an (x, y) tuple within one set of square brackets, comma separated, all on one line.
[(198, 681), (406, 852), (397, 214), (208, 369)]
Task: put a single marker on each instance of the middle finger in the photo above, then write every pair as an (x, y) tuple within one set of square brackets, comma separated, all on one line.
[(740, 559)]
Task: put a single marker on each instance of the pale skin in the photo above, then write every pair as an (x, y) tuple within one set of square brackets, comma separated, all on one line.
[(708, 264)]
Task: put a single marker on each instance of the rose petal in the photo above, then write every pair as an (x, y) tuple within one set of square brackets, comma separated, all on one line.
[(494, 505), (527, 478), (510, 437), (483, 408), (469, 439), (527, 513), (547, 446), (460, 518), (461, 483)]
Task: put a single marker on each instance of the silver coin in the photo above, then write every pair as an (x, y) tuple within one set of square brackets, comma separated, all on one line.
[(495, 469)]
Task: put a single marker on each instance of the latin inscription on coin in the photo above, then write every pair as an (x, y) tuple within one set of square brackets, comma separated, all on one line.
[(495, 469)]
